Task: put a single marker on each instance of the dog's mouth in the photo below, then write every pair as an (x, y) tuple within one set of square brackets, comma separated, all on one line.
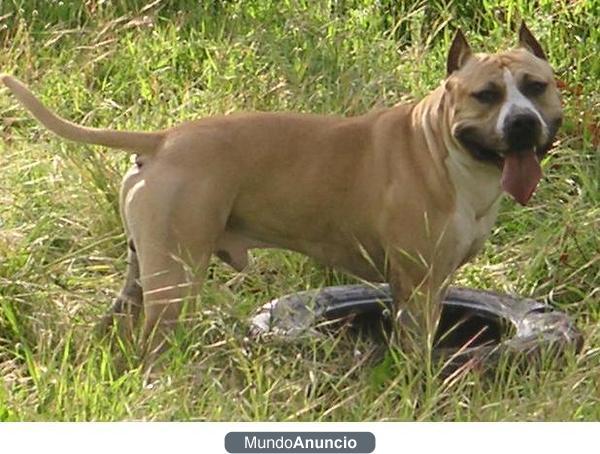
[(472, 141), (521, 170)]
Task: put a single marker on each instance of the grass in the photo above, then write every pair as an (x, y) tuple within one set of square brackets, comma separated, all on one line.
[(129, 64)]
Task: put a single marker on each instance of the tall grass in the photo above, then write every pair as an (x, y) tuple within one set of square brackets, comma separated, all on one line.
[(147, 65)]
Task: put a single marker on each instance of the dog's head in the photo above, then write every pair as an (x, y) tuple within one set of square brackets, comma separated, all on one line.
[(505, 109)]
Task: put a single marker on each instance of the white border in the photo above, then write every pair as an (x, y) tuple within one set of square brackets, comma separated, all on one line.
[(446, 438)]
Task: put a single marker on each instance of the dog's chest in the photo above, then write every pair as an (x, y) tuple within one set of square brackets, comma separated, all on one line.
[(477, 204), (471, 230)]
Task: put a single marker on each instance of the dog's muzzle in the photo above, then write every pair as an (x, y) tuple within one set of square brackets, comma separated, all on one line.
[(522, 131)]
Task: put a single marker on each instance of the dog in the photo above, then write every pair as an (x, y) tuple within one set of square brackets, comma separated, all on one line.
[(406, 194)]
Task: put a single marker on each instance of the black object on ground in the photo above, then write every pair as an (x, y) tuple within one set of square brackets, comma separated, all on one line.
[(475, 325)]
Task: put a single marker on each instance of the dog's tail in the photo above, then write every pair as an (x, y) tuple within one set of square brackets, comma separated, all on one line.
[(136, 142)]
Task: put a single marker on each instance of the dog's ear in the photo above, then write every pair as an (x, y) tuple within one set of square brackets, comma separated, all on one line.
[(528, 41), (459, 52)]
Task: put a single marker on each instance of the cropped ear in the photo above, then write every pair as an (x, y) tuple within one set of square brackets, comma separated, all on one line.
[(528, 41), (459, 52)]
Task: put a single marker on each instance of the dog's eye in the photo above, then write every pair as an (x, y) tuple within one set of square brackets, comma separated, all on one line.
[(534, 88), (487, 96)]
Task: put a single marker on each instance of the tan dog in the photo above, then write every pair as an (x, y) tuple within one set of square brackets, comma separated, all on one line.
[(406, 194)]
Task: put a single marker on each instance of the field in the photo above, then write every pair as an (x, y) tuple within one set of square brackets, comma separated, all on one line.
[(146, 65)]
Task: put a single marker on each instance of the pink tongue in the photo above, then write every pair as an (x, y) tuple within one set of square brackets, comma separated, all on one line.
[(521, 175)]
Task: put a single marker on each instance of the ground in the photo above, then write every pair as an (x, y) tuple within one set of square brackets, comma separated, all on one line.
[(128, 64)]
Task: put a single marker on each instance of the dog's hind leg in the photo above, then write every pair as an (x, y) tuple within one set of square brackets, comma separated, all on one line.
[(171, 278), (169, 282), (175, 228), (127, 307)]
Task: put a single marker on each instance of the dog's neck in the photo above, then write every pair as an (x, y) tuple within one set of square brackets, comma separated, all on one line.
[(476, 183)]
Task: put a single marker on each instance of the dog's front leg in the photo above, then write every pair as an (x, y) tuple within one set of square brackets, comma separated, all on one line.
[(417, 299)]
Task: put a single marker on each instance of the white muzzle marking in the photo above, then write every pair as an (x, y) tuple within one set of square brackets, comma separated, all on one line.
[(517, 102)]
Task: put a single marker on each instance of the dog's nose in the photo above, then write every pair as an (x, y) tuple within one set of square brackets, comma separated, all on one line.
[(522, 131)]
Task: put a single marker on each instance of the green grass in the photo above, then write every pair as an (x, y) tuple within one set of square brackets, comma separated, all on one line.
[(121, 64)]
